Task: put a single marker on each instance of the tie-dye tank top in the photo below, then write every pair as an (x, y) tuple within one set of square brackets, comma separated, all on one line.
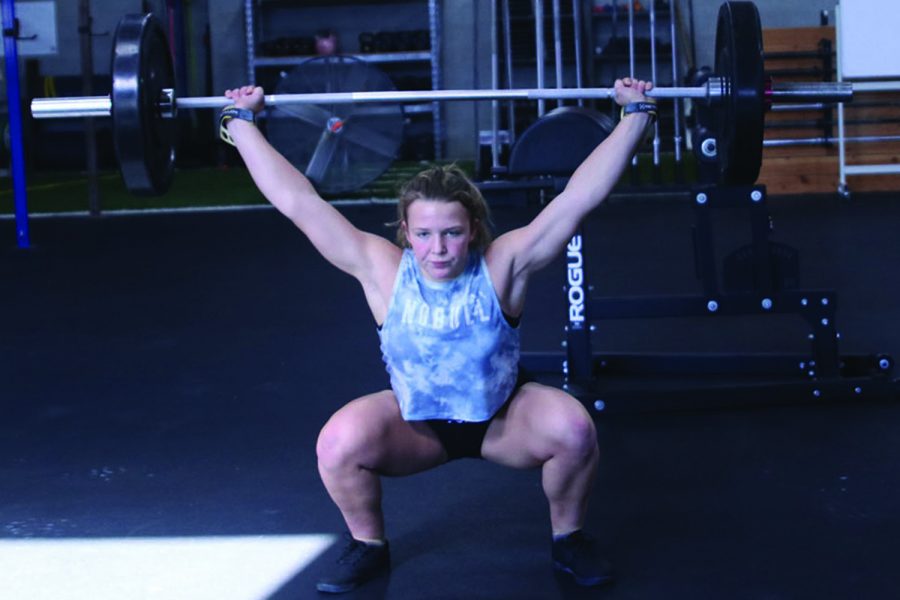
[(449, 350)]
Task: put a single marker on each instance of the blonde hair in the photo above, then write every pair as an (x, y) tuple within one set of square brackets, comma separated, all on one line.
[(446, 183)]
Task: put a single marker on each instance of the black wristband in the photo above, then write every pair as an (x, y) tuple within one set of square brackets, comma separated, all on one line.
[(646, 106), (232, 112)]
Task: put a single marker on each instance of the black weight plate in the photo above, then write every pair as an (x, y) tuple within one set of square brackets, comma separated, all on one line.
[(739, 61), (559, 141), (143, 138)]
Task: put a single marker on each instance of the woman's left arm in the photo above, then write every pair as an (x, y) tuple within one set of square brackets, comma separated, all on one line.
[(515, 255)]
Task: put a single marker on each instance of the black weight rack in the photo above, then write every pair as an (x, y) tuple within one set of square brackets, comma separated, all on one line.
[(757, 280)]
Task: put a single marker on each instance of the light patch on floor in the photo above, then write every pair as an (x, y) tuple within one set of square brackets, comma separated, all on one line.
[(214, 568)]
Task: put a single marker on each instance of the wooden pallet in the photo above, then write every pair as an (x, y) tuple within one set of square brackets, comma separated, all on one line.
[(815, 169)]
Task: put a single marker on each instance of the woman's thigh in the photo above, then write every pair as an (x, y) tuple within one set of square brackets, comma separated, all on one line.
[(371, 432), (537, 423)]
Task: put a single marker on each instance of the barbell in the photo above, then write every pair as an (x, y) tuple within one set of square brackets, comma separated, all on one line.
[(143, 102)]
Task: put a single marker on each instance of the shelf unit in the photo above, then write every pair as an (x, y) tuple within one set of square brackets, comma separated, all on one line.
[(604, 49), (518, 66), (610, 56), (266, 20)]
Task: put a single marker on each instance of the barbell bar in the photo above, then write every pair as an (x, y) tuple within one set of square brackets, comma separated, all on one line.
[(711, 91), (143, 101)]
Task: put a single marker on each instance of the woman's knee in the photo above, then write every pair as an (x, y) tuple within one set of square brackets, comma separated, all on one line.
[(343, 441), (357, 434), (574, 430)]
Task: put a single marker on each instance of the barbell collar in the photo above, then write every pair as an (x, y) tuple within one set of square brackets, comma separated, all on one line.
[(168, 104), (716, 89)]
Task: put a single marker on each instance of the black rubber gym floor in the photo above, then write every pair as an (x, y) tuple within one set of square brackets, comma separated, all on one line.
[(165, 377)]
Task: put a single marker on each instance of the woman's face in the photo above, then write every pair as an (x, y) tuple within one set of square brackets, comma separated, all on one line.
[(439, 234)]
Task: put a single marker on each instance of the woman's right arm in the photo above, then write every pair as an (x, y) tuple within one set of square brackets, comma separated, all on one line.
[(356, 252)]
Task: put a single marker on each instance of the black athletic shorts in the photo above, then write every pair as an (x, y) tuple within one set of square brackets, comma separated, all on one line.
[(463, 439)]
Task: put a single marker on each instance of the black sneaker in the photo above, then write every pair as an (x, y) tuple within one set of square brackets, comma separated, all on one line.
[(576, 554), (358, 563)]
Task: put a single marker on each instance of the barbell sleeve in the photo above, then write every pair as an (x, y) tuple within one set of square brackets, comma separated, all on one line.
[(825, 91), (876, 86), (71, 107)]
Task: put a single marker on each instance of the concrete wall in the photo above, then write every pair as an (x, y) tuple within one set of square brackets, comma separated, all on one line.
[(229, 45), (105, 15), (466, 65)]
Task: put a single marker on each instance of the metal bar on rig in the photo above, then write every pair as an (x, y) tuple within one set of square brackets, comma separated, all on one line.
[(576, 19), (676, 126), (539, 51)]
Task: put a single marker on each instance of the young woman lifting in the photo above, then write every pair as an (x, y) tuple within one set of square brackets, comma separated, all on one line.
[(447, 300)]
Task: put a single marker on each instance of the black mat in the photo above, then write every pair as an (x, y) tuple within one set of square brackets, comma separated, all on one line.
[(167, 375)]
